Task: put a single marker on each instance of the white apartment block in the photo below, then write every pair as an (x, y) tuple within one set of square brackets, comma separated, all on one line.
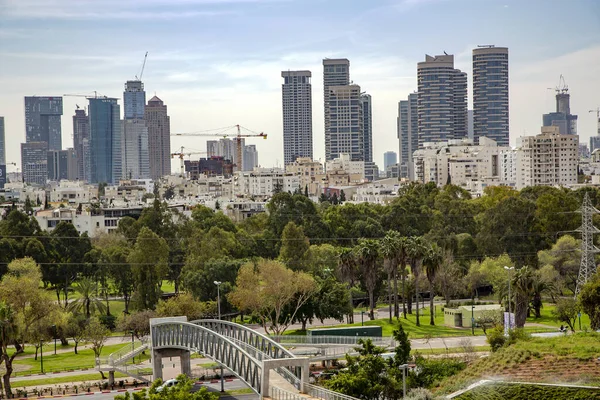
[(72, 192), (458, 162), (205, 187), (508, 166), (381, 192), (264, 182), (309, 172), (18, 191), (547, 159)]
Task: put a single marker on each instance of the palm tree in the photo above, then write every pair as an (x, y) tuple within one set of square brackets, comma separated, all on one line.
[(401, 257), (415, 251), (539, 287), (431, 262), (367, 252), (522, 285), (388, 249), (87, 301), (347, 269)]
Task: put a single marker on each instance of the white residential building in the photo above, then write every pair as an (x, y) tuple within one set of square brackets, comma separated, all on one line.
[(380, 192), (264, 182), (310, 173), (547, 159), (458, 162), (72, 192)]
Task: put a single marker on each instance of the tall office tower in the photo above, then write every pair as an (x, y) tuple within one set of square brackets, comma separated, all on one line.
[(250, 157), (470, 129), (159, 138), (297, 115), (62, 164), (566, 122), (2, 143), (442, 100), (42, 120), (81, 144), (490, 94), (212, 148), (105, 140), (408, 135), (365, 102), (336, 72), (2, 154), (34, 162), (134, 132), (346, 129), (389, 158)]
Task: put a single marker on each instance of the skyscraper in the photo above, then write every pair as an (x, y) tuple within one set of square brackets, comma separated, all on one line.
[(345, 133), (250, 157), (2, 143), (62, 164), (336, 72), (566, 122), (42, 120), (442, 100), (490, 94), (81, 144), (408, 135), (365, 102), (159, 138), (297, 115), (134, 132), (105, 137), (34, 162), (389, 158)]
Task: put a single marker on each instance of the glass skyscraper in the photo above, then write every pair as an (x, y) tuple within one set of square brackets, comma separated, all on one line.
[(42, 120), (105, 138)]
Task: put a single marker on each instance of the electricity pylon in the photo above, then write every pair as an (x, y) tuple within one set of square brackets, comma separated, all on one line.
[(588, 250)]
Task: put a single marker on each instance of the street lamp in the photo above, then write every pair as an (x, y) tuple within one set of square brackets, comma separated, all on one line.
[(362, 318), (509, 296), (218, 283), (42, 356), (54, 333)]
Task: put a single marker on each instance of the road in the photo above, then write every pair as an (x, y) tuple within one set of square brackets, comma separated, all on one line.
[(213, 387)]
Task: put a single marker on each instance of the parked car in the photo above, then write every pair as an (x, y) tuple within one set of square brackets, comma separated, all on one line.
[(167, 384)]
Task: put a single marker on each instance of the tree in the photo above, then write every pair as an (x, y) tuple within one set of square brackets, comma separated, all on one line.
[(448, 277), (367, 253), (199, 280), (342, 196), (75, 329), (589, 298), (148, 261), (87, 302), (293, 246), (184, 304), (488, 320), (564, 256), (96, 333), (181, 391), (522, 284), (431, 262), (416, 251), (267, 289), (392, 250), (402, 348), (567, 310), (137, 322), (332, 300)]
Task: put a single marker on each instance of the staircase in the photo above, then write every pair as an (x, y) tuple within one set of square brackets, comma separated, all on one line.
[(123, 361)]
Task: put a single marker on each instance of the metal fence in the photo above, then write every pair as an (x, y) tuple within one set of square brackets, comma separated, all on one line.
[(332, 340), (325, 394), (282, 394)]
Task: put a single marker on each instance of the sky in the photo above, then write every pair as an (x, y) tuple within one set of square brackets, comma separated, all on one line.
[(217, 63)]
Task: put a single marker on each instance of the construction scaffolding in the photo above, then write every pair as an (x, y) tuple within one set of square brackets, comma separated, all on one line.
[(588, 249)]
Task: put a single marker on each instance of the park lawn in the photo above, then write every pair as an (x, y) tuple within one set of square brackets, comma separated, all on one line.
[(48, 348), (66, 361), (89, 378), (167, 287), (548, 318)]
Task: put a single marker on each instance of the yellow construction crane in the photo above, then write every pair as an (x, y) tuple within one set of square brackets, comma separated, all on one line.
[(226, 132), (182, 154)]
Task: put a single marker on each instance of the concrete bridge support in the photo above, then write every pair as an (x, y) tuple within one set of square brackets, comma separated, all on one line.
[(268, 365), (157, 358)]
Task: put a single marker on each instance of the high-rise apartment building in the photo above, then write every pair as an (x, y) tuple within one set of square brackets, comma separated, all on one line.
[(346, 129), (62, 165), (106, 143), (250, 157), (2, 143), (336, 72), (389, 158), (81, 144), (490, 94), (212, 148), (34, 162), (42, 120), (297, 115), (548, 159), (442, 100), (562, 118), (365, 102), (408, 135), (135, 162), (159, 138)]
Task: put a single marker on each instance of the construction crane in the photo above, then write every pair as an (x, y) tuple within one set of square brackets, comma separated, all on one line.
[(182, 154), (562, 87), (94, 96), (143, 66), (226, 133)]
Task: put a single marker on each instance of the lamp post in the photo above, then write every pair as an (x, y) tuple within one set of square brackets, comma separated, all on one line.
[(509, 296), (473, 314), (218, 283), (362, 318), (54, 333), (132, 341), (42, 356)]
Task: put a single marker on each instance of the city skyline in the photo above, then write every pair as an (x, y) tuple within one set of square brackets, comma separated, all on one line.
[(236, 79)]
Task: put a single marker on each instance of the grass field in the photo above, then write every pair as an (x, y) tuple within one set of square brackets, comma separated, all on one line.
[(65, 361), (530, 392), (64, 379)]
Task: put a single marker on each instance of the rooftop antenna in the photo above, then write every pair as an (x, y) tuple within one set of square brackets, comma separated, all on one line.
[(143, 66)]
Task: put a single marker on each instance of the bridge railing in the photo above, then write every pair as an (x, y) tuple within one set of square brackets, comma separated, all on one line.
[(282, 394), (332, 340), (325, 394), (124, 353)]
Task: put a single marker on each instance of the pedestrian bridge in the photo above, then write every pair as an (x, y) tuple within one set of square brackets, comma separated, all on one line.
[(263, 364)]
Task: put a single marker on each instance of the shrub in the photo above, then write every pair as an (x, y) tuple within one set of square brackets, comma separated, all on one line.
[(109, 321), (419, 394), (430, 372), (517, 334), (496, 338)]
